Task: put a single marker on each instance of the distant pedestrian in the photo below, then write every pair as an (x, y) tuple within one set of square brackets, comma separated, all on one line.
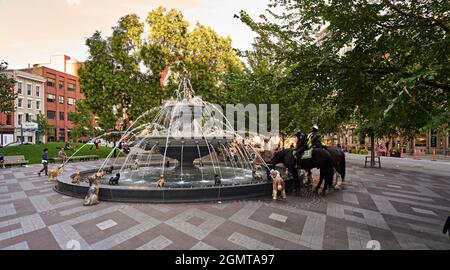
[(62, 155), (44, 162), (2, 160), (447, 226), (97, 142)]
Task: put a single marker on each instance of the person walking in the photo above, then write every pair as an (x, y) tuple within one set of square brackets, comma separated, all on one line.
[(97, 142), (2, 160), (44, 162), (447, 226)]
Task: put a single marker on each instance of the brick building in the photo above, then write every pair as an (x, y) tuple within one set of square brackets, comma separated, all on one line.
[(62, 91)]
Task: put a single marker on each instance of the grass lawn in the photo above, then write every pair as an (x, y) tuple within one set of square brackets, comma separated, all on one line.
[(34, 152)]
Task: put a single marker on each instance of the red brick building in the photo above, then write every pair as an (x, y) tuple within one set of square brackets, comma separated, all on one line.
[(6, 128), (61, 92)]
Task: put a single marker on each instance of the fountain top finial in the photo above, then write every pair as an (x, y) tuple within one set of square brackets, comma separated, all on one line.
[(186, 91)]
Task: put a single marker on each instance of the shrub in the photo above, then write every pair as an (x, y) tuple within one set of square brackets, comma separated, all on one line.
[(363, 152)]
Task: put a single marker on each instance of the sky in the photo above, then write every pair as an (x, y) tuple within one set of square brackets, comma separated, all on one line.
[(33, 30)]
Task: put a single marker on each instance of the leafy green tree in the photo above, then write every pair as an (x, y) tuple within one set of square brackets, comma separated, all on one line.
[(43, 124), (7, 94), (82, 119), (381, 64), (122, 73)]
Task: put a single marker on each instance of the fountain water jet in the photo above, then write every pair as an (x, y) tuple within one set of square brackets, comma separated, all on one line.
[(187, 134)]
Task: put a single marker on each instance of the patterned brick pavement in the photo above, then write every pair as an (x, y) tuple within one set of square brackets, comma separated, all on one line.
[(400, 209)]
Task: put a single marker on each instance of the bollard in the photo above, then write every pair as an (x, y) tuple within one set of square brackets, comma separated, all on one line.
[(433, 157)]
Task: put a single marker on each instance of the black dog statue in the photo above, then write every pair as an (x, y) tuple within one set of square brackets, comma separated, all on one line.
[(114, 180), (217, 180)]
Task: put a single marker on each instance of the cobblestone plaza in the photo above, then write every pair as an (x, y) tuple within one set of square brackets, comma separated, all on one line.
[(401, 207)]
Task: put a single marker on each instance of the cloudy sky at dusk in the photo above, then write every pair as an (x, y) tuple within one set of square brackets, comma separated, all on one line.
[(33, 30)]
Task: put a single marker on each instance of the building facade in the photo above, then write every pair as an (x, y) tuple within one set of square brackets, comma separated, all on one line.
[(61, 91), (425, 143), (29, 103)]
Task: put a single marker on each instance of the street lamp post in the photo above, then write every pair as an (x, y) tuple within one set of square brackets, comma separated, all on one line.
[(38, 139), (21, 134)]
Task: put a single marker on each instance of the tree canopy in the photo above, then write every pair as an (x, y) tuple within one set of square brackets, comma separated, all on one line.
[(382, 64), (122, 73), (7, 93)]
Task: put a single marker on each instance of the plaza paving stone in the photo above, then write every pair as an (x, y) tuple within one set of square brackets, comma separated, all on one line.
[(398, 207)]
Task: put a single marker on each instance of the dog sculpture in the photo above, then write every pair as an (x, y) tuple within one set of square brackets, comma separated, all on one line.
[(109, 170), (217, 180), (92, 177), (256, 176), (114, 180), (92, 196), (160, 183), (135, 166), (100, 174), (76, 179), (278, 185), (52, 174)]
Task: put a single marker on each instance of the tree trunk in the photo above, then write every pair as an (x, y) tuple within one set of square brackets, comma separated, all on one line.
[(372, 149)]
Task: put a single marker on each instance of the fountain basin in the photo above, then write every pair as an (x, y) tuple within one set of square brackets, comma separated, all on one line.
[(147, 194)]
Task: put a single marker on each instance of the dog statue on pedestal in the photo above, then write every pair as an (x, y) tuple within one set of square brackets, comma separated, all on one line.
[(278, 185), (92, 196), (52, 174), (76, 178), (160, 183)]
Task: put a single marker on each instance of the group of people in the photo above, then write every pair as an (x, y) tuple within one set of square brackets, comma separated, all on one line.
[(312, 140)]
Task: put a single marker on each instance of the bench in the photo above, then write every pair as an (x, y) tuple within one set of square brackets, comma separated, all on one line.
[(15, 161), (377, 161), (76, 158)]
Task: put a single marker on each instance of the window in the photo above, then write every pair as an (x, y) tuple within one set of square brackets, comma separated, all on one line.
[(62, 134), (61, 116), (19, 87), (30, 139), (29, 87), (51, 115), (71, 101), (61, 85), (51, 132), (51, 98), (71, 86), (51, 82), (61, 100), (19, 103), (38, 90), (421, 140), (8, 119), (29, 104), (27, 117), (38, 105), (20, 119), (433, 139)]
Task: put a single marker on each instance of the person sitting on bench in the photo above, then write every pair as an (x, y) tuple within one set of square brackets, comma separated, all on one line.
[(2, 160)]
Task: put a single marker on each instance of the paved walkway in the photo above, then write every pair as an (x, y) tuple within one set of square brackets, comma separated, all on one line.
[(397, 207)]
